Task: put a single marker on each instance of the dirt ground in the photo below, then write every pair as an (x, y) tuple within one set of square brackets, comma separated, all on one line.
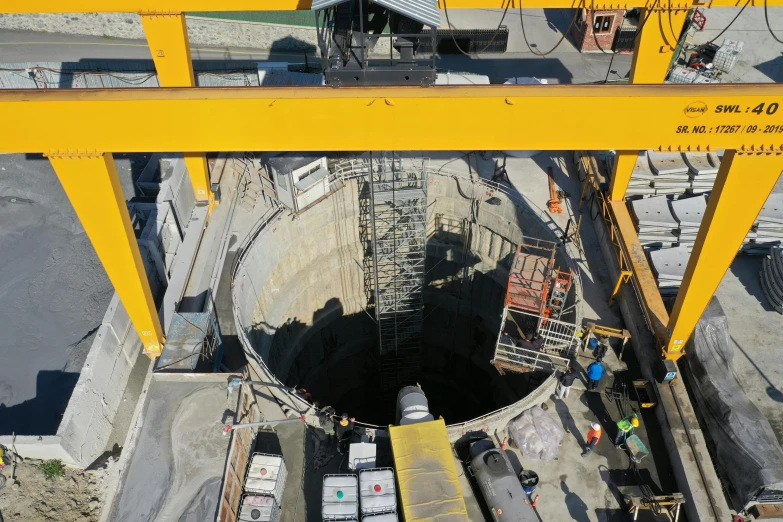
[(76, 496)]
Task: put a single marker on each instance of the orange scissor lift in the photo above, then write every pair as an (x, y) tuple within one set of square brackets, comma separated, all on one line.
[(535, 296)]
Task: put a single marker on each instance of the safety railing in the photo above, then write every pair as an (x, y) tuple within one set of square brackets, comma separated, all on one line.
[(527, 359), (500, 417), (356, 168), (599, 205), (559, 336)]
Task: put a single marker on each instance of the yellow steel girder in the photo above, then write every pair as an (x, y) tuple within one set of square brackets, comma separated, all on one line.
[(687, 117), (743, 185), (624, 162), (180, 6), (653, 53), (93, 187), (167, 36), (645, 280), (655, 45)]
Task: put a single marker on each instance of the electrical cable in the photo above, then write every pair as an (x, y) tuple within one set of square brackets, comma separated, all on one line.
[(464, 155), (524, 35), (182, 359), (675, 34), (643, 22), (646, 17), (766, 19), (201, 343), (734, 20), (452, 29), (132, 79)]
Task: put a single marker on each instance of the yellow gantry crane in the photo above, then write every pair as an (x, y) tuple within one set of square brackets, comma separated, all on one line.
[(672, 117)]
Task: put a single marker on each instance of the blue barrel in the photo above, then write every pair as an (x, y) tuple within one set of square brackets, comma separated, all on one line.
[(529, 480)]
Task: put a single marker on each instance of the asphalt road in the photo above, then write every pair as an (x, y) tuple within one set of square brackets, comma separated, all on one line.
[(564, 66)]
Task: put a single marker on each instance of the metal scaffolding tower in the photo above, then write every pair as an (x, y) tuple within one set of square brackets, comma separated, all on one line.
[(398, 206)]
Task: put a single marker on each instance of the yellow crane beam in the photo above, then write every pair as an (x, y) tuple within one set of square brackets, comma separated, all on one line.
[(167, 36), (652, 55), (743, 185), (686, 117), (184, 6), (93, 186)]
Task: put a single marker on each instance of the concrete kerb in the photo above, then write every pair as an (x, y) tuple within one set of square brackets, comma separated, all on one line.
[(687, 451), (129, 446)]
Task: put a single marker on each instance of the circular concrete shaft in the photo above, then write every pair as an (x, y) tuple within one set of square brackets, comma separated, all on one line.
[(302, 286)]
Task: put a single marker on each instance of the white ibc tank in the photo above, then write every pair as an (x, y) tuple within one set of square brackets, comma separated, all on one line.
[(259, 509), (340, 497), (266, 476), (386, 517), (377, 492)]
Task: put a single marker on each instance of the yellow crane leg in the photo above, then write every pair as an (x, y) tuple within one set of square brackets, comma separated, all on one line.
[(655, 46), (92, 185), (167, 36), (196, 163), (744, 182), (651, 58), (624, 162)]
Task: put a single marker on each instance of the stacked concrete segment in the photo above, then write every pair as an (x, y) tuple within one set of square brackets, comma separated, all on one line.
[(673, 174), (689, 213), (703, 169), (641, 178), (669, 266), (655, 223), (768, 229), (771, 276)]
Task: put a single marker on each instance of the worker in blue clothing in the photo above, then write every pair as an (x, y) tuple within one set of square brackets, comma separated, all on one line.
[(595, 372)]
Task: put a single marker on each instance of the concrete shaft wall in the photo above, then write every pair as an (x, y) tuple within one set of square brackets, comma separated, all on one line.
[(305, 271)]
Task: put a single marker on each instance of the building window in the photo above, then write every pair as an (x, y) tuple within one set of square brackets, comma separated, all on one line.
[(602, 24)]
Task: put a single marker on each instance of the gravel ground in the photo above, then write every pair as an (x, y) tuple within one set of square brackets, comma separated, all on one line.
[(53, 293), (75, 497)]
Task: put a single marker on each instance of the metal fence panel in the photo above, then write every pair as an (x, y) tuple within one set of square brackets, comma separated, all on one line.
[(469, 40), (113, 74)]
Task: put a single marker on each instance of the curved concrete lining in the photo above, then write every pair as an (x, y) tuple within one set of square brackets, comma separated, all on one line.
[(305, 272)]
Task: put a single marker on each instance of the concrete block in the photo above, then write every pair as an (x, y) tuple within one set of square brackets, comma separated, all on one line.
[(44, 448), (118, 318), (100, 362), (132, 347), (88, 419)]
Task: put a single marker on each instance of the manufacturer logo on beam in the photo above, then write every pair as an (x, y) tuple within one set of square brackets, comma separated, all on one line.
[(695, 109)]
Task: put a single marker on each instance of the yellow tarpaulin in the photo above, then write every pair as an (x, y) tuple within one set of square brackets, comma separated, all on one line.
[(427, 474)]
